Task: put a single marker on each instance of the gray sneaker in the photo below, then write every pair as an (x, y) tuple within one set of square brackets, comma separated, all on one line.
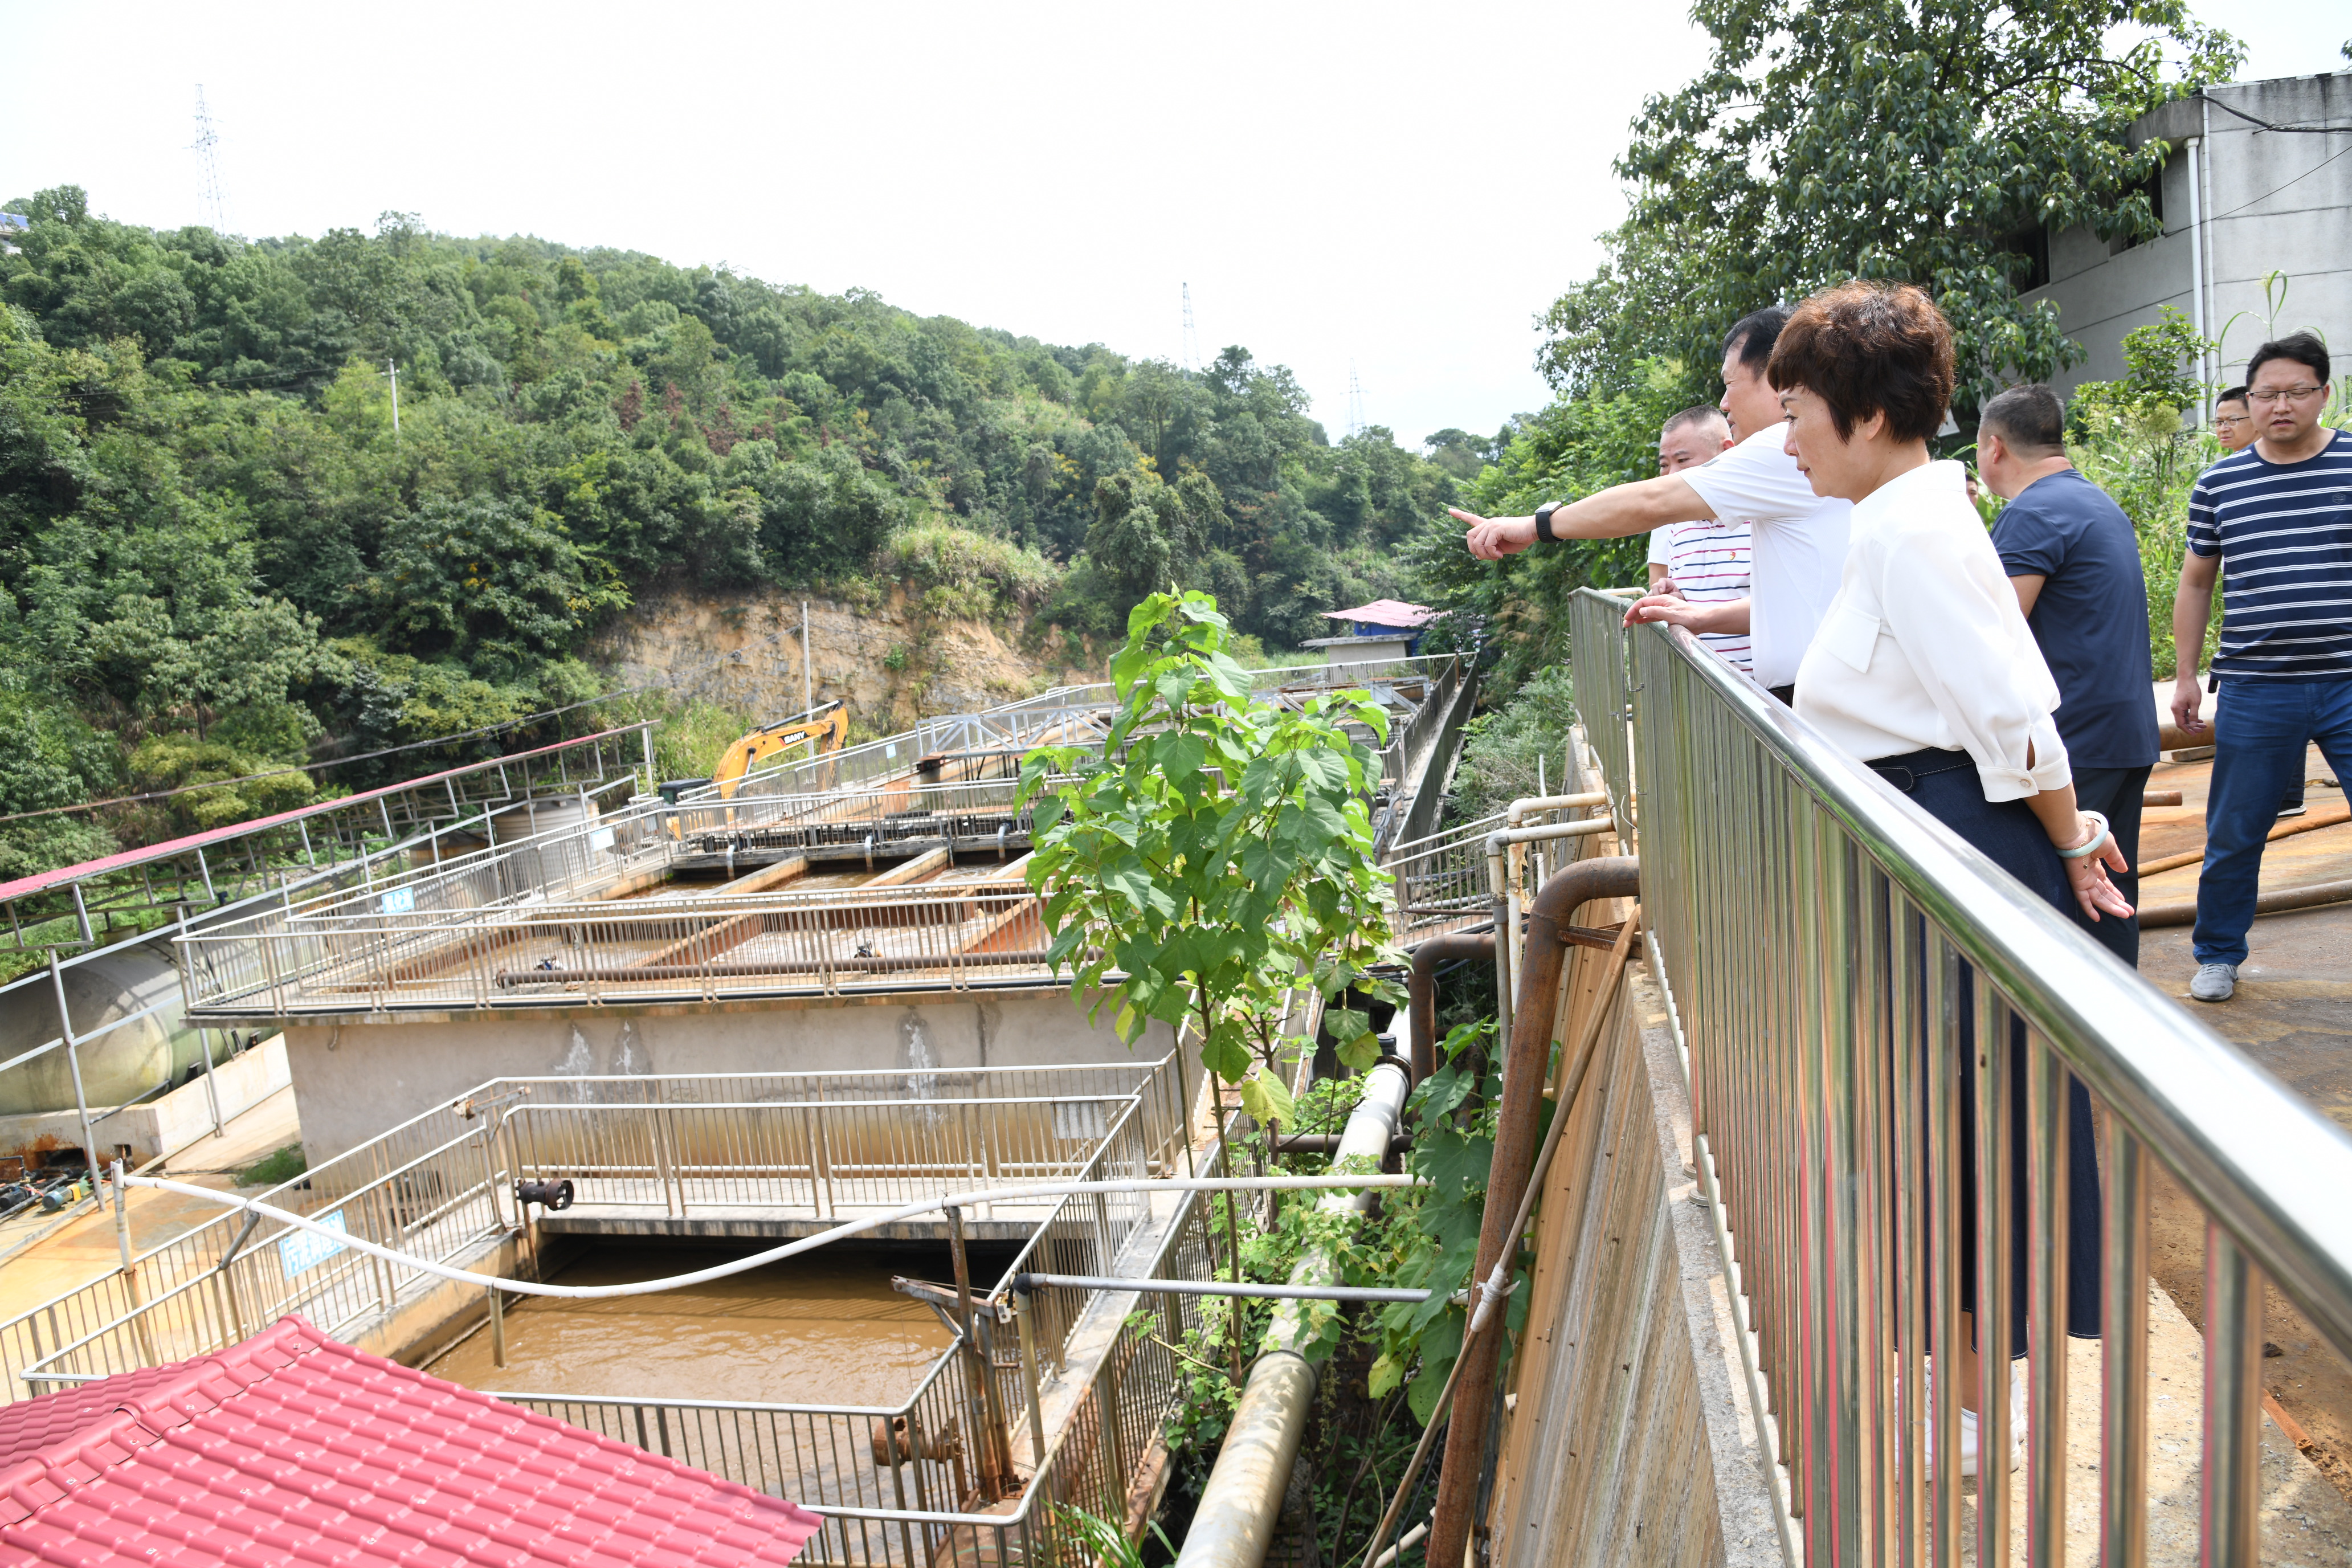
[(2215, 981)]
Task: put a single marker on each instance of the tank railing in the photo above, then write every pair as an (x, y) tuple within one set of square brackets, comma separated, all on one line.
[(435, 1184), (286, 849), (1441, 880), (1854, 985), (948, 937), (899, 1484), (1055, 717)]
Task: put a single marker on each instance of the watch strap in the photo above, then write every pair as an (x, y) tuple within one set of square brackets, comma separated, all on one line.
[(1543, 521)]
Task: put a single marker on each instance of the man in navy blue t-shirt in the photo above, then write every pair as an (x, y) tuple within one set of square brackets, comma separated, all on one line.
[(2072, 556), (2275, 523)]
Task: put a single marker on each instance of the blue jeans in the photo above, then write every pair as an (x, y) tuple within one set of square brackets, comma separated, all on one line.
[(2261, 729)]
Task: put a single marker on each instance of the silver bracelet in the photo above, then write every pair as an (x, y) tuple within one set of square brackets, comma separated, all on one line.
[(2091, 846)]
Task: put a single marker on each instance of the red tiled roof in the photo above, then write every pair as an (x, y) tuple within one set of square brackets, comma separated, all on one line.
[(293, 1448), (1386, 613)]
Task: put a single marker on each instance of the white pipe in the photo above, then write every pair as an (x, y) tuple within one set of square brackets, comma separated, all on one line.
[(2197, 277), (1241, 1500), (790, 1250), (1528, 806)]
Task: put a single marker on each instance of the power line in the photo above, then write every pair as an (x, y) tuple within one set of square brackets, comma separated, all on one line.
[(210, 205)]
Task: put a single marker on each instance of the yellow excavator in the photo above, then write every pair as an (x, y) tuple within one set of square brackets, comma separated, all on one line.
[(823, 729)]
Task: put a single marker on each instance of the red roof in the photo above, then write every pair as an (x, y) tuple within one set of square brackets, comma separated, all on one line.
[(1386, 613), (293, 1448)]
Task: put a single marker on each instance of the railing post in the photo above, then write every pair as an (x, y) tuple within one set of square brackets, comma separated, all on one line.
[(2046, 1109), (2123, 1367), (73, 1061), (2230, 1496), (978, 1401)]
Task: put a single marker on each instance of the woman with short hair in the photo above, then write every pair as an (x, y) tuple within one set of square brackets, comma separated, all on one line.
[(1925, 670)]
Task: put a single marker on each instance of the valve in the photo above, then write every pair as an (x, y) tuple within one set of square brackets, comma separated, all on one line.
[(554, 1197)]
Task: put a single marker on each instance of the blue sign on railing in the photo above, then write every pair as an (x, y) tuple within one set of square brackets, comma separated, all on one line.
[(305, 1250), (399, 901)]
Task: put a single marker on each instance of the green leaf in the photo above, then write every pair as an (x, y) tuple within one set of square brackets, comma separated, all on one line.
[(1268, 1102), (1386, 1373)]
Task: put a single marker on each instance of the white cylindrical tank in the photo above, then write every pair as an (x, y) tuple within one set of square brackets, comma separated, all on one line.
[(116, 1065)]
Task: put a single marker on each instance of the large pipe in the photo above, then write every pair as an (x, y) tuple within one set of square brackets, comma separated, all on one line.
[(1242, 1500), (1421, 989), (1523, 1071)]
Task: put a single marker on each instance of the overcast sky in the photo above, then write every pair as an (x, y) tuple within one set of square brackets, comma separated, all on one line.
[(1391, 190)]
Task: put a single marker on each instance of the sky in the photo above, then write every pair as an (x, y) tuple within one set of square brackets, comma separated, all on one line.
[(1378, 196)]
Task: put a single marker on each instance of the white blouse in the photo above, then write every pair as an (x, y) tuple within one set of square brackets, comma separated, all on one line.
[(1924, 645)]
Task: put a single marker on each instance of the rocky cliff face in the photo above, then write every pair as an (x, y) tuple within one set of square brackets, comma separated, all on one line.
[(892, 663)]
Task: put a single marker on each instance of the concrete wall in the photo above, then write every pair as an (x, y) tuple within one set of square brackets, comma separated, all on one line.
[(352, 1082), (168, 1122), (1630, 1440), (2278, 200)]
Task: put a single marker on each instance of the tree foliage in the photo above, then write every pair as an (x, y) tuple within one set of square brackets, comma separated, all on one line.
[(1216, 855), (1832, 139), (206, 510)]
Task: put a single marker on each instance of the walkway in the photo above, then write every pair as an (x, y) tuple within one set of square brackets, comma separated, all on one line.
[(2293, 1014)]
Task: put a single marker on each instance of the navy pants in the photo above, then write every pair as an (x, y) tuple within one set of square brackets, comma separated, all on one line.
[(2261, 729), (1945, 785)]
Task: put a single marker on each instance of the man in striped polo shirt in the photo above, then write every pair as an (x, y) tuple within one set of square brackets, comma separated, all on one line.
[(1705, 560), (2275, 522)]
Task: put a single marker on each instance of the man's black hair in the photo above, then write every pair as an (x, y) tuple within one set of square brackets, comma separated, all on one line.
[(2235, 394), (2299, 348), (1754, 334), (2030, 418)]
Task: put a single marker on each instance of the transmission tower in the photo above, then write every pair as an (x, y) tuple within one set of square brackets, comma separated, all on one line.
[(1355, 401), (213, 210), (1192, 338)]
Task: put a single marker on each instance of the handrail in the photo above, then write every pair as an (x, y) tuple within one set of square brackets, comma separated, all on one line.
[(1822, 943)]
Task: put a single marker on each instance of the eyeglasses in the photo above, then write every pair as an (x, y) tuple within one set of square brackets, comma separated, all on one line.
[(2284, 394), (2233, 419)]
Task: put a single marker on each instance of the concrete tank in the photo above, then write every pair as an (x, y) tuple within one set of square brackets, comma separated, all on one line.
[(120, 1066)]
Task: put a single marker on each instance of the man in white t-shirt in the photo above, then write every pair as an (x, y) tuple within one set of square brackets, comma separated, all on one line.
[(1702, 562), (1799, 537)]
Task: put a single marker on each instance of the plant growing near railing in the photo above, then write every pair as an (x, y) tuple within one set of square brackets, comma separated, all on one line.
[(1214, 855)]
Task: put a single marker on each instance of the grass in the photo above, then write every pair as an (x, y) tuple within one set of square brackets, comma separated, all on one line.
[(275, 1168)]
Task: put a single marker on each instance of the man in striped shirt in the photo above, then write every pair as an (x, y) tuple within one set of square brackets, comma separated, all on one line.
[(1706, 561), (2275, 523)]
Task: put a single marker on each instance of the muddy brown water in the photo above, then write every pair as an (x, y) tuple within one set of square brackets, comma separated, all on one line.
[(826, 1328)]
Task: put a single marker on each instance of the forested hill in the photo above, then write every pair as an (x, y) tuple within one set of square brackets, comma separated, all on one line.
[(217, 552)]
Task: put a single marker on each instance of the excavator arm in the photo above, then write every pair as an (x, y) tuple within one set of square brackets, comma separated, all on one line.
[(824, 731)]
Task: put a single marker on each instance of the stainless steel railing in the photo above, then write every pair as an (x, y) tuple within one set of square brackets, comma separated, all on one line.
[(437, 1185), (897, 1484), (954, 936), (1441, 880), (1832, 955)]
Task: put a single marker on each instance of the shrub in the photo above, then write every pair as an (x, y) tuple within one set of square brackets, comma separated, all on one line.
[(973, 573)]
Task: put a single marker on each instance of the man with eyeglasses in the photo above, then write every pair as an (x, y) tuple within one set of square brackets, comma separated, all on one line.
[(2233, 426), (2233, 422), (2275, 522)]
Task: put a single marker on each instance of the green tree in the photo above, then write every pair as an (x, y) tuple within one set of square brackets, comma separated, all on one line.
[(1830, 139), (1216, 855)]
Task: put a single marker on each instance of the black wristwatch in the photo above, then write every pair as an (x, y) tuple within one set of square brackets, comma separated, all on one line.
[(1543, 521)]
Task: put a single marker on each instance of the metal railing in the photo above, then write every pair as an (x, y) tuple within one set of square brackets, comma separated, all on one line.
[(1853, 985), (229, 864), (956, 937), (437, 1185), (1441, 880), (899, 1484)]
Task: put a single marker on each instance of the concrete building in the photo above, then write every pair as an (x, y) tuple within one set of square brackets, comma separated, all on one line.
[(2258, 181)]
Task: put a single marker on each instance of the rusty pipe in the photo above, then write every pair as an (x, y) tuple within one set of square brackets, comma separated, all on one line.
[(1421, 989), (1525, 1068)]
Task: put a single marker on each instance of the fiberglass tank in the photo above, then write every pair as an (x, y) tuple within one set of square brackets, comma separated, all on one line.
[(116, 1067)]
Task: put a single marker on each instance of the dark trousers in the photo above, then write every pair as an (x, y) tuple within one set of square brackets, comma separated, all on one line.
[(2261, 729), (2115, 794), (1945, 786)]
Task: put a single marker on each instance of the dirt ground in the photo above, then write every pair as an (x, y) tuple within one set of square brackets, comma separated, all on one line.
[(2293, 1014)]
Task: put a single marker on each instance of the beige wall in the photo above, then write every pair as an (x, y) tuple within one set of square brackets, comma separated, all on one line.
[(352, 1082)]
